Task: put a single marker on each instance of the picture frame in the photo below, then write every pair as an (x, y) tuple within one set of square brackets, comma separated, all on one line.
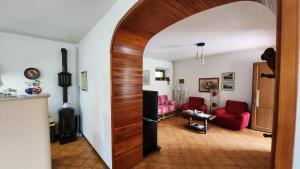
[(181, 81), (32, 73), (228, 86), (228, 76), (84, 81), (146, 77), (206, 84)]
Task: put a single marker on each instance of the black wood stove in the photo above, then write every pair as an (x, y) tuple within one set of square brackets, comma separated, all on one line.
[(67, 125)]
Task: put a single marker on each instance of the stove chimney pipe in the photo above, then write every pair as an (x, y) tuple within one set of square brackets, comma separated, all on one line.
[(64, 78)]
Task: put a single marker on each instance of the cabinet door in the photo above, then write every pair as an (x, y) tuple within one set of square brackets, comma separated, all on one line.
[(262, 98)]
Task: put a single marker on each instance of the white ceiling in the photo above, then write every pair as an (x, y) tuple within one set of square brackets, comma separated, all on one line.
[(232, 27), (60, 20)]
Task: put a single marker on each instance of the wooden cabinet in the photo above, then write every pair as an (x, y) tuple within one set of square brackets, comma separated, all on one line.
[(263, 92)]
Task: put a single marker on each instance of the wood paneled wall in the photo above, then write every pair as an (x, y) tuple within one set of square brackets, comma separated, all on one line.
[(287, 83), (131, 37)]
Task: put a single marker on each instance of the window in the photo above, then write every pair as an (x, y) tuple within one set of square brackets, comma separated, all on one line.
[(160, 74)]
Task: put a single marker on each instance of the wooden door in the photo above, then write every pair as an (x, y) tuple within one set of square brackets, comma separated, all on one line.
[(263, 92)]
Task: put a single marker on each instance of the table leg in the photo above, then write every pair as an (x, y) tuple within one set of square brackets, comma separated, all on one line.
[(205, 126)]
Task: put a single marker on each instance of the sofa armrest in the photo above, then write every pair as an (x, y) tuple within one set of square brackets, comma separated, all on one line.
[(185, 106), (219, 111), (245, 116), (171, 102)]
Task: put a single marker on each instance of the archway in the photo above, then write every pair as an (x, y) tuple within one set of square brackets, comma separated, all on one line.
[(152, 16)]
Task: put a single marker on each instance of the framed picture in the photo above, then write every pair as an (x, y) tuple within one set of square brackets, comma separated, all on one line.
[(206, 84), (227, 86), (84, 81), (228, 76), (181, 81), (146, 77), (32, 73)]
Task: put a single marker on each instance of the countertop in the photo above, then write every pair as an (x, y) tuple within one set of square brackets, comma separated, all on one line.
[(23, 97)]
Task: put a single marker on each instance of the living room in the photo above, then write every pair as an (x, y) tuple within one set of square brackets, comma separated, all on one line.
[(86, 58), (226, 58)]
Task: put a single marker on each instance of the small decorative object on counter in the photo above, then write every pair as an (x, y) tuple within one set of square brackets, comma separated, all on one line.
[(33, 87), (10, 92)]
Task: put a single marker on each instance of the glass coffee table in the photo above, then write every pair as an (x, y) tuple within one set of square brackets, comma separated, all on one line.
[(199, 116)]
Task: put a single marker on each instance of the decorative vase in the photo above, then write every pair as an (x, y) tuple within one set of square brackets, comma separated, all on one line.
[(29, 90), (33, 87), (37, 89)]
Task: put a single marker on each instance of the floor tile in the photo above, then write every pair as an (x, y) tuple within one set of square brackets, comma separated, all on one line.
[(181, 148)]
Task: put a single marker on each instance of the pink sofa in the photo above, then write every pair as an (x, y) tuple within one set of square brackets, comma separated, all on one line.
[(165, 106)]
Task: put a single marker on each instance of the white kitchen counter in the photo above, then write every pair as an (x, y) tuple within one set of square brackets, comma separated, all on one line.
[(23, 97), (24, 130)]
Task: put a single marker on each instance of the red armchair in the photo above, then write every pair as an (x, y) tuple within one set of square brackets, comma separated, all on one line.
[(195, 103), (234, 116)]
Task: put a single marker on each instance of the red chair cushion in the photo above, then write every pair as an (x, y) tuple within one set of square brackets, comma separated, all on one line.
[(236, 107), (233, 121), (196, 101)]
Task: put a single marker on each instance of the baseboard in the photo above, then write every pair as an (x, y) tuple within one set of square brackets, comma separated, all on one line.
[(94, 150)]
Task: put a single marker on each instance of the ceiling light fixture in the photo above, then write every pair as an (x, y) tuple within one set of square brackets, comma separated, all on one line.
[(200, 56)]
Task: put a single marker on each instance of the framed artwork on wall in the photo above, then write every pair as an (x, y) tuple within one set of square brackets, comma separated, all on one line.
[(227, 86), (206, 84), (228, 76), (181, 81), (32, 73), (146, 77), (84, 81)]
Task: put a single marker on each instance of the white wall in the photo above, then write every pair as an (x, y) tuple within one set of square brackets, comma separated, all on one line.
[(94, 57), (240, 62), (162, 87), (18, 53)]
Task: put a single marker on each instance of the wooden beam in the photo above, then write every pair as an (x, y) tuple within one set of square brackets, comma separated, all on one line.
[(287, 83)]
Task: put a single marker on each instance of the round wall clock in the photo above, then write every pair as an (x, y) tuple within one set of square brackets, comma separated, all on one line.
[(32, 73)]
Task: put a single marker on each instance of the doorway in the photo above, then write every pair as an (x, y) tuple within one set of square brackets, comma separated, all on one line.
[(151, 16)]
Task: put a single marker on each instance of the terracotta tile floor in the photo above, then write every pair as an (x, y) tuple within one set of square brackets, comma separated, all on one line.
[(75, 155), (220, 148), (182, 149)]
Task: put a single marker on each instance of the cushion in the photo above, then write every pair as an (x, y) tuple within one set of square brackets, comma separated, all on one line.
[(159, 100), (164, 99), (236, 107), (171, 108), (196, 101), (163, 109)]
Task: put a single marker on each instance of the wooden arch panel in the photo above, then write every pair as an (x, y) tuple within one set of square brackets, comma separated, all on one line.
[(131, 37)]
